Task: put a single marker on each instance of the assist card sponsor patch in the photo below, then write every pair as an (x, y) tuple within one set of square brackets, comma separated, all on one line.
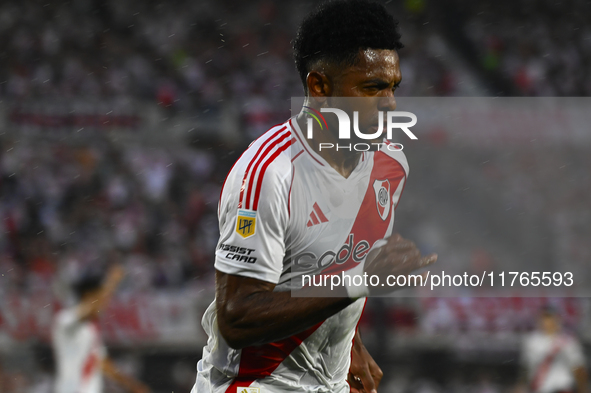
[(246, 222)]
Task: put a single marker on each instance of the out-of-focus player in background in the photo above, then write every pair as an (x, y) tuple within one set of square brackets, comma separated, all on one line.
[(80, 355), (552, 361), (274, 211)]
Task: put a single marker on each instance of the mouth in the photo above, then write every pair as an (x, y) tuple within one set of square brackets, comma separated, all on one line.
[(374, 128), (372, 131)]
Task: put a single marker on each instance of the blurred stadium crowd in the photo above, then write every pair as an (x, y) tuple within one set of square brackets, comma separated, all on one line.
[(181, 54), (542, 47), (67, 204), (184, 53), (71, 207), (69, 210)]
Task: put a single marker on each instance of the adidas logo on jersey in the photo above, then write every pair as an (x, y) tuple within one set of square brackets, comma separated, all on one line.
[(316, 217)]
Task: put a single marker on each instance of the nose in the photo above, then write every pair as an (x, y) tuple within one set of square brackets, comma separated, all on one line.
[(387, 102)]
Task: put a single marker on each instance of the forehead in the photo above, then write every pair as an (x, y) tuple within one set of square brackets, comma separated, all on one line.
[(375, 64)]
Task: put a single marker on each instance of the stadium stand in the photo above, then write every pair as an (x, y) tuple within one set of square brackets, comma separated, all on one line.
[(120, 119)]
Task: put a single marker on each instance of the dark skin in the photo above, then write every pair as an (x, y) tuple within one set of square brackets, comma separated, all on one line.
[(248, 311)]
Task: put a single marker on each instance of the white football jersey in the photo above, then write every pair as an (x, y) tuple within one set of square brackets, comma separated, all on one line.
[(550, 361), (79, 353), (285, 212)]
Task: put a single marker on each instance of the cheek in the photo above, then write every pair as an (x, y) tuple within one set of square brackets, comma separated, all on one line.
[(369, 113)]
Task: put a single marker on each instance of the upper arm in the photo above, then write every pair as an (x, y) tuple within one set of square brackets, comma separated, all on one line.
[(67, 319), (523, 353), (253, 220)]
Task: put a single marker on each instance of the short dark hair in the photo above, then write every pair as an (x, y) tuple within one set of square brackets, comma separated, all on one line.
[(337, 30), (548, 310), (87, 284)]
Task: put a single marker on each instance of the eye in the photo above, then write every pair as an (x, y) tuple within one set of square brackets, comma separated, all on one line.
[(372, 88), (375, 88)]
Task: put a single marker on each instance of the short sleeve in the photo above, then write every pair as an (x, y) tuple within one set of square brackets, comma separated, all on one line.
[(524, 360), (253, 228), (574, 353), (66, 319)]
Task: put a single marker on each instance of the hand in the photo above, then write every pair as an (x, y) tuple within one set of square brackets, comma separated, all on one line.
[(397, 256), (364, 374)]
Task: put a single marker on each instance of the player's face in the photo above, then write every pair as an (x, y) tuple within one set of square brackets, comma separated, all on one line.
[(549, 324), (374, 78)]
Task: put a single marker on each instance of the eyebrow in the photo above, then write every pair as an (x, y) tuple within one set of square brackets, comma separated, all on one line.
[(381, 82)]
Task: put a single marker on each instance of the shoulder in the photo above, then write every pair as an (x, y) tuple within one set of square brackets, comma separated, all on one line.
[(271, 148), (570, 340), (535, 336), (66, 317), (529, 342), (389, 163), (531, 337), (264, 166), (391, 156)]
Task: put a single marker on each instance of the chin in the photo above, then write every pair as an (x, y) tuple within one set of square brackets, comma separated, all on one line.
[(377, 140)]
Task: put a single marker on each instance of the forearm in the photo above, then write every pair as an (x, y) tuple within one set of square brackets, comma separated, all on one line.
[(357, 343), (125, 381), (364, 374), (108, 289), (89, 306), (265, 316), (271, 316)]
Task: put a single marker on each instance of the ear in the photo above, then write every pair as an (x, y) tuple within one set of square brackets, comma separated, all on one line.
[(319, 86)]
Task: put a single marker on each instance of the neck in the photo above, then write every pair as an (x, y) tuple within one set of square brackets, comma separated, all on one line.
[(343, 161)]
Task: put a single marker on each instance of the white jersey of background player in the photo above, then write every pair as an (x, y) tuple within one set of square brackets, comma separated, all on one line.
[(285, 212), (79, 353), (552, 360)]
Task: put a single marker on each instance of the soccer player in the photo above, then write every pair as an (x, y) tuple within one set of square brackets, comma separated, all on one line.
[(79, 352), (552, 361), (288, 208)]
